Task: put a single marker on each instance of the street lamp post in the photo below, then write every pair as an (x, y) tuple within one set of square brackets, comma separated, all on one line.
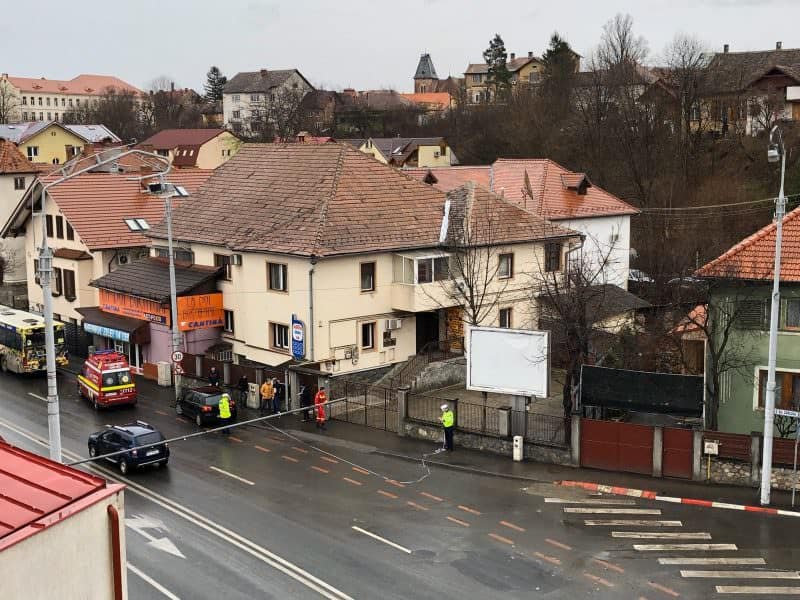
[(775, 153), (45, 273)]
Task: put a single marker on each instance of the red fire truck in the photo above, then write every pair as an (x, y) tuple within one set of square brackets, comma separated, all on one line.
[(106, 380)]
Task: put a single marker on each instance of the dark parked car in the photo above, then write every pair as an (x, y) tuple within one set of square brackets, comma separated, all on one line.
[(130, 437), (202, 404)]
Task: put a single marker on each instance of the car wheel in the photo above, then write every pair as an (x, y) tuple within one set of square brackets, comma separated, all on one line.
[(92, 450), (3, 365), (95, 405), (179, 409), (124, 467), (162, 464), (80, 393), (199, 420)]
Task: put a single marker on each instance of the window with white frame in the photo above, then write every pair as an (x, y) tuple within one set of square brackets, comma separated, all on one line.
[(19, 183), (505, 268), (33, 151), (791, 314), (505, 317), (368, 335), (277, 275), (228, 326), (279, 336)]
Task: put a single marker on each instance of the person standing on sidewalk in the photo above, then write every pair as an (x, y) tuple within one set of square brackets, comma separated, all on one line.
[(448, 422), (244, 387), (277, 396), (319, 404), (225, 412), (305, 402), (213, 377), (266, 396)]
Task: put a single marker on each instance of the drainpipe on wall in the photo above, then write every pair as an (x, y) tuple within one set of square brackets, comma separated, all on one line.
[(311, 308)]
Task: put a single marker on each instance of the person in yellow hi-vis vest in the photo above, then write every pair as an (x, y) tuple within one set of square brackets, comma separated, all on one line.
[(448, 420), (225, 412)]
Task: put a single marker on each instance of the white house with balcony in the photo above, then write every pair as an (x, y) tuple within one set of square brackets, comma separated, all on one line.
[(359, 252)]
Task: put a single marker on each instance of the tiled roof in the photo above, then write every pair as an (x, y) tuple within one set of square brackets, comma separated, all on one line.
[(258, 81), (310, 199), (512, 65), (603, 301), (167, 139), (553, 188), (440, 99), (186, 156), (149, 278), (95, 204), (425, 68), (19, 132), (730, 72), (71, 254), (400, 148), (12, 160), (754, 257), (82, 84)]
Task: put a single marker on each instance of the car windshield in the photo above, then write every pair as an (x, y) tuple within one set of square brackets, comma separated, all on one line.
[(148, 438), (116, 378)]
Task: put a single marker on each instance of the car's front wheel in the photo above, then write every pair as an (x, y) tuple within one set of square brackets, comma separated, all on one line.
[(124, 467), (92, 450), (179, 409), (199, 420)]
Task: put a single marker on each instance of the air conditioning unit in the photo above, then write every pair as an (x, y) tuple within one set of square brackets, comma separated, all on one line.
[(436, 155), (236, 260), (392, 324), (123, 259)]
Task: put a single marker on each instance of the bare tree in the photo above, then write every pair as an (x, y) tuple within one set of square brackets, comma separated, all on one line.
[(120, 111), (9, 102), (276, 116), (685, 58)]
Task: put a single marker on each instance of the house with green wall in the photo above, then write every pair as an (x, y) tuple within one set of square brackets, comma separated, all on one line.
[(742, 278)]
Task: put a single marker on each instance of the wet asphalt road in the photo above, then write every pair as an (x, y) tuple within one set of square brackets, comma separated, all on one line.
[(262, 515)]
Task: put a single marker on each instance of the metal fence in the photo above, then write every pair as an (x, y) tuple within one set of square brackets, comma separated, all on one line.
[(546, 429), (363, 404)]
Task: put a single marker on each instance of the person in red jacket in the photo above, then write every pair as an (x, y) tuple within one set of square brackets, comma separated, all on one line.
[(319, 405)]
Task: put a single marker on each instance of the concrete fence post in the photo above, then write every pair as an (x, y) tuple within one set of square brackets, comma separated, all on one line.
[(575, 439), (402, 409), (294, 384), (198, 366), (697, 455), (226, 373), (658, 451), (755, 458)]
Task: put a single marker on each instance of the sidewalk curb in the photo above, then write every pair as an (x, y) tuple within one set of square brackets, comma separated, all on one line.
[(651, 495), (462, 467)]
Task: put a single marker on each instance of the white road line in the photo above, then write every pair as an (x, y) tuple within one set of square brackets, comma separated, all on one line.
[(232, 476), (687, 560), (754, 589), (37, 396), (152, 582), (380, 539), (597, 501), (743, 574), (671, 547), (612, 511), (277, 562), (659, 535), (630, 523)]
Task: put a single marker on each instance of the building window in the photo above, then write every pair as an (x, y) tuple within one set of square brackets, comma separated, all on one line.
[(552, 257), (69, 284), (50, 118), (41, 116), (505, 268), (433, 269), (368, 336), (228, 327), (48, 224), (254, 97), (237, 114), (33, 152), (77, 101), (70, 102), (63, 102), (787, 389), (60, 227), (24, 116), (70, 232), (40, 100), (277, 274), (24, 101), (279, 336), (55, 116), (223, 261), (57, 282), (236, 97), (162, 152), (368, 277), (505, 318), (19, 183), (48, 101), (790, 317)]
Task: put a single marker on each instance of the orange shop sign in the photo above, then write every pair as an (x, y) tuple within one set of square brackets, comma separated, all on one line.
[(203, 311), (131, 306)]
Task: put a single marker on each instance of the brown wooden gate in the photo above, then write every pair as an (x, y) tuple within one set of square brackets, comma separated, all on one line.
[(677, 453), (614, 446)]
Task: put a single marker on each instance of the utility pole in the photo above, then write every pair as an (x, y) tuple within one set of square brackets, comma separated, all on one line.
[(173, 294), (774, 152)]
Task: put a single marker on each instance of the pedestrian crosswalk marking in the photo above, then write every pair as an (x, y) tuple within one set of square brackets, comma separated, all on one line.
[(694, 560), (612, 511), (755, 589), (662, 535), (671, 547), (596, 501), (630, 523), (742, 574)]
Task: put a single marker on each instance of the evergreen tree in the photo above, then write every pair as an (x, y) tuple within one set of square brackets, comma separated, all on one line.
[(559, 58), (215, 81), (557, 78), (499, 76)]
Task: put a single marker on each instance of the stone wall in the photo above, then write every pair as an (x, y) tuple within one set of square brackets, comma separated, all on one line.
[(734, 472), (441, 374), (488, 443)]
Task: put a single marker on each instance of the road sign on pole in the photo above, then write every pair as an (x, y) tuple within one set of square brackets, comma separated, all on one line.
[(781, 412), (177, 356)]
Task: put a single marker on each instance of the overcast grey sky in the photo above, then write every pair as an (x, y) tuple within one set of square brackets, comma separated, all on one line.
[(347, 43)]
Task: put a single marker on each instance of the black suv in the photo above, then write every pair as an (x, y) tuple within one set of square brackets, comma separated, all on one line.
[(122, 437), (202, 403)]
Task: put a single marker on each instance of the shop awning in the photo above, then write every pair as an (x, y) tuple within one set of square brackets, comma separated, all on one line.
[(116, 327)]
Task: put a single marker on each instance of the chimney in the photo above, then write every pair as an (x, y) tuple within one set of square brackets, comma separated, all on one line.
[(778, 45), (725, 48), (263, 72), (530, 54), (5, 75), (172, 87), (512, 56)]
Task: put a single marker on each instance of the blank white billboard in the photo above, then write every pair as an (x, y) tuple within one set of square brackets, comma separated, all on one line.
[(508, 361)]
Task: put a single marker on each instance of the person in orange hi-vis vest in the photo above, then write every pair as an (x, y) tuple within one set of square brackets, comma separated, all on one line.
[(319, 407)]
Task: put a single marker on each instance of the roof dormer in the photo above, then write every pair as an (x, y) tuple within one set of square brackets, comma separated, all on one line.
[(578, 182)]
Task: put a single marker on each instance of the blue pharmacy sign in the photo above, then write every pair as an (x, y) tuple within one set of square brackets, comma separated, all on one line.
[(298, 338)]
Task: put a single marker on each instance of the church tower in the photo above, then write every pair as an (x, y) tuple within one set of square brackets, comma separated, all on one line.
[(425, 79)]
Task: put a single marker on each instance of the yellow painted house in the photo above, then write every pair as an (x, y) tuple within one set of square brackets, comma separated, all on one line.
[(202, 148), (54, 143), (407, 152)]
